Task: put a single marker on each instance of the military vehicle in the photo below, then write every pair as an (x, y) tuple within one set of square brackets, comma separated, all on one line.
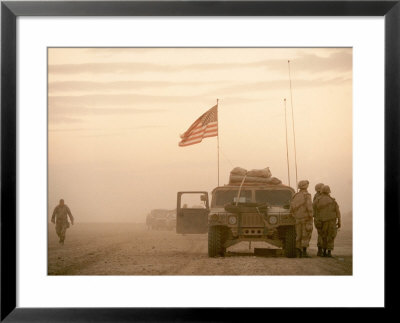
[(241, 212)]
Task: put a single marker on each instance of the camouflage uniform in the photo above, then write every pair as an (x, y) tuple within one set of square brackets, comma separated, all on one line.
[(317, 221), (329, 216), (60, 215), (301, 207)]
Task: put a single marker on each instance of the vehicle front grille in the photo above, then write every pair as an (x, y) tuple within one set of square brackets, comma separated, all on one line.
[(252, 220)]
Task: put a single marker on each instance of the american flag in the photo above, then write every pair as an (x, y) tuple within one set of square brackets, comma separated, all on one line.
[(203, 127)]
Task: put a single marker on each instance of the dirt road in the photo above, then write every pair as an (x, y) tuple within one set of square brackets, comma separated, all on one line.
[(130, 249)]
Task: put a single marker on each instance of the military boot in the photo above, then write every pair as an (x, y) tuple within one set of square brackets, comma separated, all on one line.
[(305, 255), (324, 254), (329, 254), (319, 253)]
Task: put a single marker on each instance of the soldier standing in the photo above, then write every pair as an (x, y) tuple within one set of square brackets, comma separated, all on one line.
[(60, 218), (329, 215), (317, 221), (301, 207)]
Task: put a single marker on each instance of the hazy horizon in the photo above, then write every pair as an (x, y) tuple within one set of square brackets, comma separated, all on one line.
[(115, 116)]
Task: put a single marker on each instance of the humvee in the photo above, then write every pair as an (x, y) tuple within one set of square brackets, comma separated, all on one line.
[(252, 212)]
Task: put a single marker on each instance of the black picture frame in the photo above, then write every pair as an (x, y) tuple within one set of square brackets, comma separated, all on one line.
[(11, 10)]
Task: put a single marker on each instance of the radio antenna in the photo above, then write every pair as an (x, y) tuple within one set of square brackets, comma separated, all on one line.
[(294, 134), (287, 149)]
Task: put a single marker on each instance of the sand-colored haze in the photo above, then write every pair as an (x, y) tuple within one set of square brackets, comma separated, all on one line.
[(115, 116)]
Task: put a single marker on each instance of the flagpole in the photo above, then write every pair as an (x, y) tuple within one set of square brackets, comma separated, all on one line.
[(218, 143)]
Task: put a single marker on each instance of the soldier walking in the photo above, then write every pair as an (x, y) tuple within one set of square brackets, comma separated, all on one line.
[(329, 215), (317, 221), (60, 218), (301, 207)]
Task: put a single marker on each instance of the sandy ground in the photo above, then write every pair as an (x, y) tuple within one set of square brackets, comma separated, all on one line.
[(130, 249)]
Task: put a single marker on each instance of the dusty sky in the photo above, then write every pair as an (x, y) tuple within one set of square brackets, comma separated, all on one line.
[(115, 116)]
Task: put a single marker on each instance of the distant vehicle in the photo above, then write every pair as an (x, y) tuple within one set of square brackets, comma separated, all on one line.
[(161, 219), (252, 212)]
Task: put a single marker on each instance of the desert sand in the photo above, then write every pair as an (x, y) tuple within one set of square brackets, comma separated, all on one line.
[(131, 249)]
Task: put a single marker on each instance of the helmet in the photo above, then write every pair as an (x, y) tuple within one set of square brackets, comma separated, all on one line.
[(303, 184), (318, 187), (326, 189)]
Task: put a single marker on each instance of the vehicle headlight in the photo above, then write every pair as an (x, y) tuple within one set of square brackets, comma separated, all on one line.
[(214, 217), (273, 219), (232, 219)]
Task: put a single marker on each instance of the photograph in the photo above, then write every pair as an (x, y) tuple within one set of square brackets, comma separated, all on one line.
[(204, 161)]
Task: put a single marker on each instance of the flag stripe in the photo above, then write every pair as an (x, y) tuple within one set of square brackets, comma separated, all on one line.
[(189, 144), (199, 138), (194, 141)]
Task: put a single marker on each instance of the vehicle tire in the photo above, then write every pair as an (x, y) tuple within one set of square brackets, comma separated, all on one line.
[(290, 242), (215, 241)]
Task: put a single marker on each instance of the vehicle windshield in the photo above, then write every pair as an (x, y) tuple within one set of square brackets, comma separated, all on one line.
[(223, 197), (274, 197)]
